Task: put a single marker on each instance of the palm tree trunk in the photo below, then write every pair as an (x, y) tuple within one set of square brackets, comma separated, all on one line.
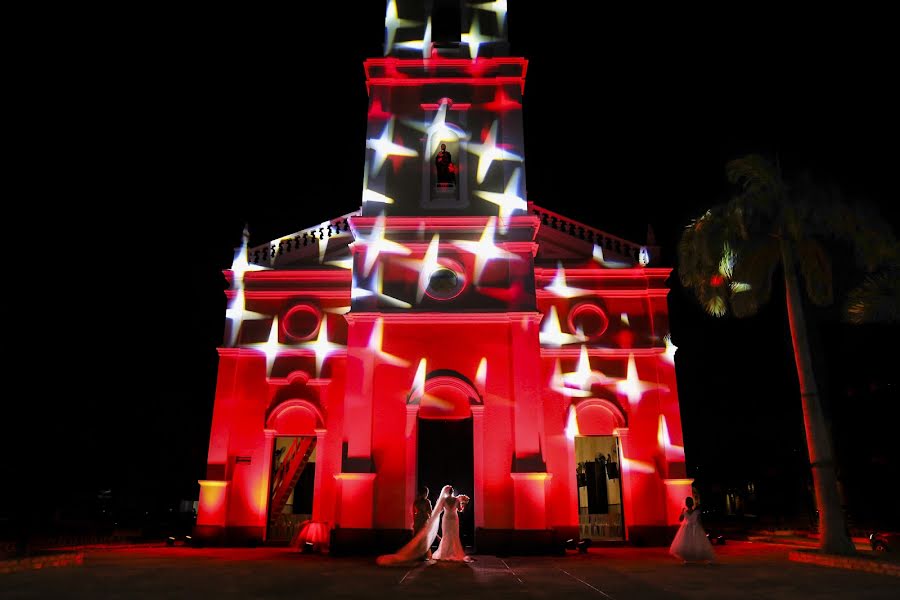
[(834, 538)]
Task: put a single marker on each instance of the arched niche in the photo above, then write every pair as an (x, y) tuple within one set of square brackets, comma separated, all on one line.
[(598, 416), (445, 396), (295, 417)]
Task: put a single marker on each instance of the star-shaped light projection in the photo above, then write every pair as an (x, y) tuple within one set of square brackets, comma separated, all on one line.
[(634, 388), (481, 374), (669, 355), (484, 249), (424, 266), (637, 466), (240, 265), (321, 346), (377, 287), (439, 129), (610, 264), (375, 244), (344, 263), (670, 450), (558, 384), (392, 23), (552, 334), (376, 339), (337, 310), (419, 378), (498, 7), (624, 318), (271, 347), (488, 152), (474, 39), (237, 314), (423, 45), (572, 423), (369, 195), (558, 286), (384, 146), (508, 201), (584, 378)]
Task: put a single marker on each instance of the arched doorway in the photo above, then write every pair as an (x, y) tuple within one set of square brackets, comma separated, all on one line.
[(445, 441), (598, 457)]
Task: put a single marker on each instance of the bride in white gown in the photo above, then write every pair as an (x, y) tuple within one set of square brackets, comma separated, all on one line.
[(450, 548)]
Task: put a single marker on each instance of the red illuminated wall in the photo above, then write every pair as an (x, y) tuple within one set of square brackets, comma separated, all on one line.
[(348, 336)]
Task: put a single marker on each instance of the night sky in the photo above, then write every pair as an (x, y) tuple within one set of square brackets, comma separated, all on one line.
[(167, 133)]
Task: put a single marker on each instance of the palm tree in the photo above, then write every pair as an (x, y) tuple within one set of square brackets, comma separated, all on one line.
[(728, 258)]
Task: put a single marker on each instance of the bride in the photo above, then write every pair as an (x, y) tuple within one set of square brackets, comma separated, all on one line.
[(450, 548)]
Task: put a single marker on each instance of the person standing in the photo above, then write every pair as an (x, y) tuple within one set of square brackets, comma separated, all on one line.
[(691, 543)]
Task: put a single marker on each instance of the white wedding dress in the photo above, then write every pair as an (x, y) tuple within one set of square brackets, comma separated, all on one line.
[(450, 548), (690, 542)]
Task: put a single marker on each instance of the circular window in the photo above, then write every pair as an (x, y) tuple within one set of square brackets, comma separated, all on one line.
[(446, 281), (301, 322), (589, 318)]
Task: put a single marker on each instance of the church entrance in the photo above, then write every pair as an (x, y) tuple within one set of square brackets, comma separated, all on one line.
[(292, 483), (597, 469), (445, 456)]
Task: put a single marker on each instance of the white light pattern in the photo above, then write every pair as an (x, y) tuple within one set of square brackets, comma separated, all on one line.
[(376, 339), (624, 318), (474, 39), (369, 195), (439, 129), (321, 346), (557, 384), (644, 256), (665, 443), (392, 23), (481, 374), (237, 314), (425, 266), (419, 379), (497, 7), (240, 264), (384, 147), (378, 286), (508, 201), (584, 377), (488, 152), (558, 286), (344, 263), (484, 249), (337, 310), (375, 244), (669, 354), (271, 347), (611, 264), (552, 334), (572, 424), (634, 388), (637, 466), (424, 45)]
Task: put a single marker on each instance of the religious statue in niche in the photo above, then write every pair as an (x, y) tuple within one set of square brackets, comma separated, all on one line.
[(446, 171)]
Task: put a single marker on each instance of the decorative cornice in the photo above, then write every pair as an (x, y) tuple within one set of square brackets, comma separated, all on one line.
[(444, 317)]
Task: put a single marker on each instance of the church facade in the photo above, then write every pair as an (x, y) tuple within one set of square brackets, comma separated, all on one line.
[(447, 332)]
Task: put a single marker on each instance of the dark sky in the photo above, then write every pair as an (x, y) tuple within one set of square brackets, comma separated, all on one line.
[(166, 132)]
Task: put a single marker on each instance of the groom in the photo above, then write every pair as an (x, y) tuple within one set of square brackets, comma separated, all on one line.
[(421, 512)]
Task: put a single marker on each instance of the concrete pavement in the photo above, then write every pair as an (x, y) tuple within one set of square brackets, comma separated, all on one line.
[(744, 570)]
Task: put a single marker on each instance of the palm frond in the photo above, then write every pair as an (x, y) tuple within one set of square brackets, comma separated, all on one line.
[(876, 300)]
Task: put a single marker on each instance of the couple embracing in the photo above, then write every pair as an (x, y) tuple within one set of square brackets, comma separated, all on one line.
[(426, 526)]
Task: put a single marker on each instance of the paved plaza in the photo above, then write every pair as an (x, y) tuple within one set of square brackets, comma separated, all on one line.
[(744, 570)]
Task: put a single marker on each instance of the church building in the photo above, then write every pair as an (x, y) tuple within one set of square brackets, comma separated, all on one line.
[(449, 331)]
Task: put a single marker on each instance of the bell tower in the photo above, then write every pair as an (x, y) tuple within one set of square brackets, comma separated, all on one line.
[(446, 81)]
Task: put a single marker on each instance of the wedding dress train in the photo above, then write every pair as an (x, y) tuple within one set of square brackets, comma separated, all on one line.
[(450, 548)]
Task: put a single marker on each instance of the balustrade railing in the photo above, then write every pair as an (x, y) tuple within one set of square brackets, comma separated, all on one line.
[(589, 234), (267, 253)]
